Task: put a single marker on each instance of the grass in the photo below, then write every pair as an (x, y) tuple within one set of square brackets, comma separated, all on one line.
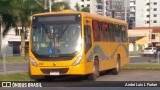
[(15, 77), (141, 67), (15, 59)]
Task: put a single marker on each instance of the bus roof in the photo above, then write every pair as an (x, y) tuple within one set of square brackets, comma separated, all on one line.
[(85, 14)]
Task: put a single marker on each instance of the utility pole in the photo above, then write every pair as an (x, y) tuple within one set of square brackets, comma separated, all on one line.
[(45, 5), (125, 10), (104, 7), (50, 6), (149, 13), (0, 36)]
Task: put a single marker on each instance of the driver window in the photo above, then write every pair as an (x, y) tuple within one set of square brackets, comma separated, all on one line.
[(88, 41)]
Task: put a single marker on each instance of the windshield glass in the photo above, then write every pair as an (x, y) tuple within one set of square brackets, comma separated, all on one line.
[(56, 39)]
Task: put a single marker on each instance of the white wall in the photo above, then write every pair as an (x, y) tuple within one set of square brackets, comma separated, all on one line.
[(140, 13)]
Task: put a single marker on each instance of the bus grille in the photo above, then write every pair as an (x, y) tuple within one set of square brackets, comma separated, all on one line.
[(60, 70)]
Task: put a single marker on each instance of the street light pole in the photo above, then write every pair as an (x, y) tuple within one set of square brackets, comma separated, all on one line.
[(125, 16), (50, 6), (0, 36), (104, 8)]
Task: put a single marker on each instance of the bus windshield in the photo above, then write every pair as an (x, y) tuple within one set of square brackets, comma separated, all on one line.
[(55, 39)]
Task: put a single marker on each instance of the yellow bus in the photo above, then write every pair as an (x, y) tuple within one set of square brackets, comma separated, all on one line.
[(76, 43)]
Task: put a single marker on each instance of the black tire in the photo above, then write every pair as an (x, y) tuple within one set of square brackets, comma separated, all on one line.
[(116, 70), (95, 73), (49, 78), (36, 78)]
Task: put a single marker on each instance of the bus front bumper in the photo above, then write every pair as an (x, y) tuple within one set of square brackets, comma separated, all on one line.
[(81, 69)]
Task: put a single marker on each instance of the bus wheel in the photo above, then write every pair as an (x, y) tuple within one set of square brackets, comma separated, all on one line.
[(116, 70), (95, 73), (36, 78), (49, 78)]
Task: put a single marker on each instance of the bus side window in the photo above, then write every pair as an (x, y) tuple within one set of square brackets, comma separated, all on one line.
[(117, 33), (111, 32), (96, 30), (104, 32), (123, 34), (88, 41), (107, 32)]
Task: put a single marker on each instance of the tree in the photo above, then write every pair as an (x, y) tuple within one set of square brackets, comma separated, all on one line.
[(57, 6), (6, 19), (84, 9), (78, 8), (24, 9), (17, 11)]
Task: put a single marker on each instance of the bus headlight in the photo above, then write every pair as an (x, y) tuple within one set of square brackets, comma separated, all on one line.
[(78, 60), (33, 62)]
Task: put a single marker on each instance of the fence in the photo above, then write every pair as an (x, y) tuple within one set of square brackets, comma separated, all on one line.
[(7, 50), (139, 58), (11, 63)]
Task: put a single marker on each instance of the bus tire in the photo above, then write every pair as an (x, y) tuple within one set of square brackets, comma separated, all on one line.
[(49, 78), (35, 77), (116, 70), (95, 73)]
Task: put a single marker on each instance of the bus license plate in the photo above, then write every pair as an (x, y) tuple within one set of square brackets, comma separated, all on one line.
[(54, 73)]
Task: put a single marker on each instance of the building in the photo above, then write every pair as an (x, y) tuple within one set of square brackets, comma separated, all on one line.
[(116, 9), (11, 43), (146, 37), (145, 13), (138, 41)]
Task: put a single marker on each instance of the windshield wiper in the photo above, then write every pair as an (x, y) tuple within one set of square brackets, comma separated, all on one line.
[(63, 32)]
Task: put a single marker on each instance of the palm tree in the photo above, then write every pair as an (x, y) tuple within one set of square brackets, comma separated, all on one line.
[(24, 9), (17, 11), (6, 18), (14, 12)]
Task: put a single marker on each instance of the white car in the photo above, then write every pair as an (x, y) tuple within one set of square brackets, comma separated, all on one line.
[(151, 51)]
